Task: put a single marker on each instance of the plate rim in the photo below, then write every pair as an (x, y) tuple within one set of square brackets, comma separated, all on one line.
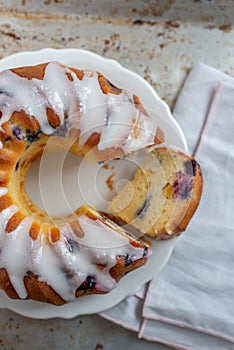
[(69, 310)]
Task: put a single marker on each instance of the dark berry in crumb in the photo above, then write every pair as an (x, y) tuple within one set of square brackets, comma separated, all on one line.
[(182, 186), (71, 244), (103, 161), (6, 93), (89, 283), (190, 167), (17, 132), (32, 137), (29, 274), (127, 260), (145, 252), (17, 165), (143, 209)]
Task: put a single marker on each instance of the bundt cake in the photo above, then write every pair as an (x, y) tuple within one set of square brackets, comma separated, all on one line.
[(57, 259), (163, 195)]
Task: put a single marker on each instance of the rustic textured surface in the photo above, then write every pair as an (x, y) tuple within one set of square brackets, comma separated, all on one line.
[(160, 40), (161, 49), (81, 333)]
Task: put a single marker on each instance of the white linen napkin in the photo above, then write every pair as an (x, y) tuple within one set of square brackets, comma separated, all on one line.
[(190, 304)]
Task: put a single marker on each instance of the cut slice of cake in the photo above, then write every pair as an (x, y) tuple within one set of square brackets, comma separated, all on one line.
[(163, 195)]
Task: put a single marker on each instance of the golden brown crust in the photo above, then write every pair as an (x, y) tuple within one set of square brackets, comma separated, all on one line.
[(54, 234), (36, 290), (14, 221), (194, 202), (6, 159), (40, 291), (79, 73), (6, 285), (5, 202), (106, 86), (34, 230), (53, 118), (120, 270), (31, 72)]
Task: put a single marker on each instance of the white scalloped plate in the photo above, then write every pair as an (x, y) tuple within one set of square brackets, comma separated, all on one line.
[(162, 250)]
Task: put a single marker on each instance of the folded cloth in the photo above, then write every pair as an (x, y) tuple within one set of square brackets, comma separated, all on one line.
[(190, 304)]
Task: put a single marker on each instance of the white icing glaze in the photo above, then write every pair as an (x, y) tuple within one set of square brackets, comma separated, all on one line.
[(93, 106), (121, 113), (104, 237), (87, 107), (5, 215), (15, 255), (145, 137), (3, 191), (66, 263)]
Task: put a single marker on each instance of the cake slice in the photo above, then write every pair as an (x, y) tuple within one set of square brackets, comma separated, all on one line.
[(163, 195)]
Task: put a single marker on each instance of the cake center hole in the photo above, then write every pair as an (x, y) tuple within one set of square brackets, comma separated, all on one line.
[(52, 183), (60, 182)]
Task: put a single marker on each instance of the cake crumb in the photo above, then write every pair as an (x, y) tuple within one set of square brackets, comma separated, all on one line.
[(105, 166), (109, 182), (99, 346), (226, 28)]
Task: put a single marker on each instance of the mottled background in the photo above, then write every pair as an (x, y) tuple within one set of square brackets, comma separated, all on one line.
[(160, 40)]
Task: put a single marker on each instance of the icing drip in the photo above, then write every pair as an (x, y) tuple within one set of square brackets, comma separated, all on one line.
[(104, 237), (5, 215), (3, 191), (121, 113), (61, 265), (88, 109), (47, 266), (93, 106), (15, 255)]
